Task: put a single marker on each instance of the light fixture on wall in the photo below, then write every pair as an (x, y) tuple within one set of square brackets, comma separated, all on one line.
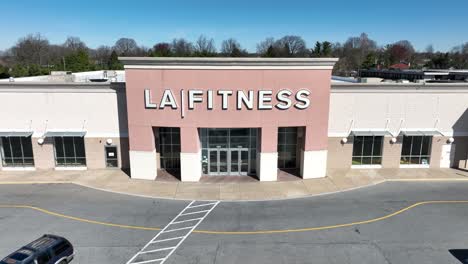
[(40, 141), (393, 140), (109, 141), (344, 140), (450, 140)]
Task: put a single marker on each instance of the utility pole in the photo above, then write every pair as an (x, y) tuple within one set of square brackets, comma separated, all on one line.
[(64, 65)]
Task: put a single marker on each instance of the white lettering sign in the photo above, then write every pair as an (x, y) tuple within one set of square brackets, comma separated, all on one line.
[(244, 100), (168, 100)]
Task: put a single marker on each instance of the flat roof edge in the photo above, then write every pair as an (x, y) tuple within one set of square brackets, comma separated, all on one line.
[(66, 84), (227, 61), (397, 85)]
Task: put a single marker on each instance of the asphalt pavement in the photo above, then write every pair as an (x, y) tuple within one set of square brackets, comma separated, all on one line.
[(111, 228)]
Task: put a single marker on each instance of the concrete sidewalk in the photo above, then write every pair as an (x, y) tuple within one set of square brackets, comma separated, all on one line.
[(337, 180)]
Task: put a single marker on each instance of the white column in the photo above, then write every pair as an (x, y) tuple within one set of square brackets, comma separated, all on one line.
[(314, 164), (143, 165), (447, 156), (190, 167), (268, 166)]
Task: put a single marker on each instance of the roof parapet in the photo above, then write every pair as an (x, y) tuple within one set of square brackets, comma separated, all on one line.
[(227, 63)]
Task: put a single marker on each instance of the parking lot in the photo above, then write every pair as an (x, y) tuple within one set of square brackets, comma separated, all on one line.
[(388, 223)]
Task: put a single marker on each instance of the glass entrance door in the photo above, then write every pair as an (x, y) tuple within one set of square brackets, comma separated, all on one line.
[(218, 161), (239, 161), (228, 161)]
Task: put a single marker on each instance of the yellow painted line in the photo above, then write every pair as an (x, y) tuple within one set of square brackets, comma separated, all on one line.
[(80, 219), (324, 227), (258, 232)]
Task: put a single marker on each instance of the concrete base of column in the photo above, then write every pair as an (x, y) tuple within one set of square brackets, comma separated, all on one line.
[(190, 167), (143, 165), (314, 164), (268, 166)]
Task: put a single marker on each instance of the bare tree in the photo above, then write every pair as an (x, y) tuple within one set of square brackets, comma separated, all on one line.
[(263, 46), (161, 49), (101, 55), (429, 49), (229, 45), (205, 46), (74, 44), (32, 49), (126, 47), (292, 46), (181, 48), (232, 48), (354, 52)]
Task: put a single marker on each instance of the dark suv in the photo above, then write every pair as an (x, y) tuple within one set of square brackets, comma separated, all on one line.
[(48, 249)]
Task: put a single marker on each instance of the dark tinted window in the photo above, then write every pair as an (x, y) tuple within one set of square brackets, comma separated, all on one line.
[(19, 256), (43, 258), (60, 248), (17, 151), (70, 151)]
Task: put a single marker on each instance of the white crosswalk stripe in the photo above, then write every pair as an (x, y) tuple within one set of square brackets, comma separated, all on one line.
[(155, 251)]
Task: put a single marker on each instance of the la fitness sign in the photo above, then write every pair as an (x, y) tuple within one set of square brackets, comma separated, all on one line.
[(261, 100)]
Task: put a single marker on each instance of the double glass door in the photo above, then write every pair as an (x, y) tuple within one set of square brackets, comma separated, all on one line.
[(222, 161)]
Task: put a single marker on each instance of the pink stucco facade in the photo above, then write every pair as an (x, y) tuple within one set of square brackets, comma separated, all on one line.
[(141, 120)]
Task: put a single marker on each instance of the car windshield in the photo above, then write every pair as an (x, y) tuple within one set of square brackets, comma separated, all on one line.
[(16, 256)]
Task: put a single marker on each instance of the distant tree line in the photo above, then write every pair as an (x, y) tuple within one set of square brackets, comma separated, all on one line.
[(35, 55)]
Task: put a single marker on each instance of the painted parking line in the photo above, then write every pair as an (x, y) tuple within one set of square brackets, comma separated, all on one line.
[(166, 242), (255, 232)]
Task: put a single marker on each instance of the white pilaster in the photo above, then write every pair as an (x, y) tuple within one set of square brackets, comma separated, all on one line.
[(190, 167), (143, 165), (447, 156), (314, 164), (268, 169)]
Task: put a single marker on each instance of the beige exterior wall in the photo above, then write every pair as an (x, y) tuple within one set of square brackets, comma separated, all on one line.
[(398, 107), (391, 153), (95, 152), (436, 151), (44, 157), (339, 154), (98, 109)]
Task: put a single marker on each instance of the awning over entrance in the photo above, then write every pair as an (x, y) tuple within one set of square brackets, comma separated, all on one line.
[(15, 133), (377, 133), (421, 133), (65, 134)]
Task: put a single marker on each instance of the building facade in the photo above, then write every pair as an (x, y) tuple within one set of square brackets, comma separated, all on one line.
[(230, 116)]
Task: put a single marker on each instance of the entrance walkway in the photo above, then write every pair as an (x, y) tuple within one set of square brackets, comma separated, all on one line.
[(228, 189)]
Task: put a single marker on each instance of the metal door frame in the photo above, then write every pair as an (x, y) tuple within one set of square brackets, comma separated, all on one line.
[(116, 155), (228, 161), (239, 161), (218, 150)]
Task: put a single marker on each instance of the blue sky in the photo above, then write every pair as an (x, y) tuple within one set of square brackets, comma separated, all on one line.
[(443, 24)]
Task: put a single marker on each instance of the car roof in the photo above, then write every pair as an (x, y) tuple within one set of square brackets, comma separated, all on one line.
[(44, 242), (34, 247)]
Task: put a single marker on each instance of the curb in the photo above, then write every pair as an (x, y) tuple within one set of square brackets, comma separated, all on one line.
[(248, 200)]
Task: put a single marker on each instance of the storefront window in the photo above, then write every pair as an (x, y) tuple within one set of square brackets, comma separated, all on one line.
[(169, 147), (287, 147), (70, 151), (416, 150), (228, 151), (17, 152), (367, 150)]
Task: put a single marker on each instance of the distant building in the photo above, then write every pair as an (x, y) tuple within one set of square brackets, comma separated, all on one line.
[(431, 75), (400, 66)]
